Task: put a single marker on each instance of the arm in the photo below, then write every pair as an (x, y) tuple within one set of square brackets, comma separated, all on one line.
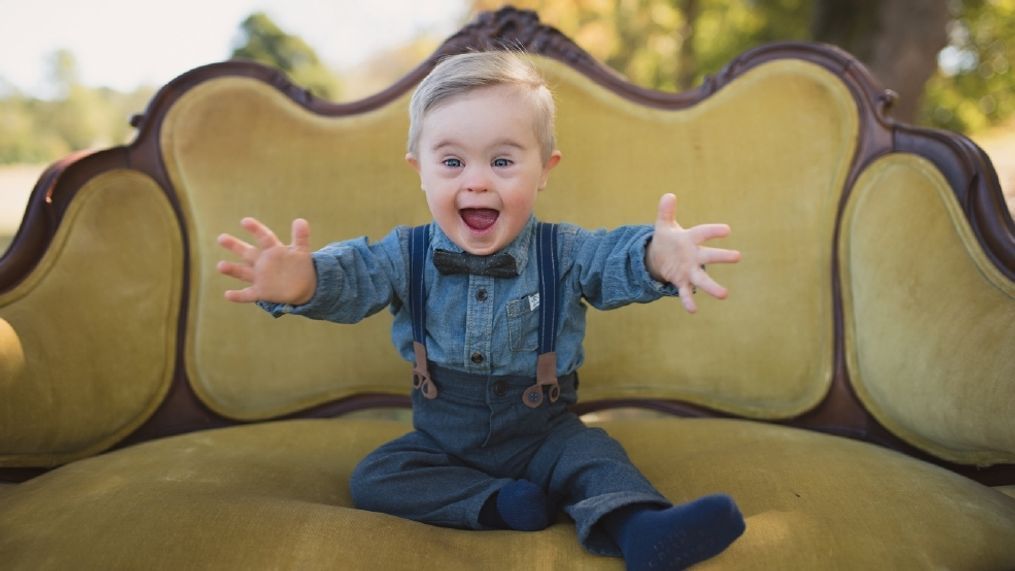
[(343, 282), (638, 264), (609, 268)]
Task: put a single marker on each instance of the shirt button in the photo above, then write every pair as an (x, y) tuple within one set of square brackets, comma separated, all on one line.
[(500, 388), (481, 295), (477, 358)]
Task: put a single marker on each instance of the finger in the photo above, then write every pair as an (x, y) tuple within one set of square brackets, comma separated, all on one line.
[(238, 271), (705, 282), (687, 298), (718, 255), (242, 249), (703, 232), (301, 235), (245, 295), (667, 212), (265, 237)]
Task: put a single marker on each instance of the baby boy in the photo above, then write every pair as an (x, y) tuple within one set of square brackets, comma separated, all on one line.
[(489, 305)]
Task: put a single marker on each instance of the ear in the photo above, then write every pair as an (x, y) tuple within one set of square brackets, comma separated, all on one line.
[(554, 159), (413, 161)]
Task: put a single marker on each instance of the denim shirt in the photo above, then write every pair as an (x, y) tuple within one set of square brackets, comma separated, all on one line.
[(480, 324)]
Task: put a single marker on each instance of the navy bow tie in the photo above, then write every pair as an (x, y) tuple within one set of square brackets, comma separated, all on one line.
[(500, 265)]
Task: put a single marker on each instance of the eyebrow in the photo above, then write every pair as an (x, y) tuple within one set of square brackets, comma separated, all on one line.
[(508, 143), (441, 144), (500, 143)]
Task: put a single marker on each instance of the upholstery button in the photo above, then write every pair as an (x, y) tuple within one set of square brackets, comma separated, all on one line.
[(477, 358), (500, 388), (481, 295)]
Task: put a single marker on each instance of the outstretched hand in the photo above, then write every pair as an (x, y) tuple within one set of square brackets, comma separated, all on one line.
[(276, 272), (677, 256)]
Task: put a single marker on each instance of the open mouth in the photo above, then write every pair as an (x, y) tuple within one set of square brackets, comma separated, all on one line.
[(479, 219)]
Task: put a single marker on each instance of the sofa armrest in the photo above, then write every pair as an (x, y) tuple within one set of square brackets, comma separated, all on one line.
[(88, 336)]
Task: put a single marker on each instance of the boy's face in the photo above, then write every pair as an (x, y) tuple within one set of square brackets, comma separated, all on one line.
[(480, 165)]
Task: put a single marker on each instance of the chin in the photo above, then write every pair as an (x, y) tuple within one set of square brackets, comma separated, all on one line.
[(480, 249), (480, 242)]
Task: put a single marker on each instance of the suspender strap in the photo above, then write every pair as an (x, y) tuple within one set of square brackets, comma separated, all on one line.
[(546, 251), (549, 280), (419, 244)]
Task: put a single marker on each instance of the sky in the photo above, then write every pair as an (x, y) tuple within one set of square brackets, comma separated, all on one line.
[(126, 43)]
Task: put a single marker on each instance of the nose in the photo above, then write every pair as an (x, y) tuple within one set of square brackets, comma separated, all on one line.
[(475, 179)]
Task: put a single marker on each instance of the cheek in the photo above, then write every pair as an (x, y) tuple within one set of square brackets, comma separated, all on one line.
[(441, 204), (435, 187), (524, 198)]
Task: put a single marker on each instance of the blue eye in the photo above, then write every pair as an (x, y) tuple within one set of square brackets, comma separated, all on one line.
[(452, 163), (502, 162)]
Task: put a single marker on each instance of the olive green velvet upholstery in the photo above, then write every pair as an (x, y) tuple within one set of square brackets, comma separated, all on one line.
[(720, 159), (88, 341), (108, 324), (266, 156), (273, 496), (924, 307)]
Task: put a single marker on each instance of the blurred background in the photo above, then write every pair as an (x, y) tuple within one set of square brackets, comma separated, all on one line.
[(72, 73)]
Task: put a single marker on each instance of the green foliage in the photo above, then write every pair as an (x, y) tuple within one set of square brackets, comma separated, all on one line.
[(974, 87), (671, 45), (22, 138), (662, 44), (34, 130), (726, 29), (41, 130), (263, 41)]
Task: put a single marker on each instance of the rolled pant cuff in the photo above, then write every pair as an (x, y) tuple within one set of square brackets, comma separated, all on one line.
[(588, 512)]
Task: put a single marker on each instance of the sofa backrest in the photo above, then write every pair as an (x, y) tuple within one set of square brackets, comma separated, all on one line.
[(851, 233), (268, 157)]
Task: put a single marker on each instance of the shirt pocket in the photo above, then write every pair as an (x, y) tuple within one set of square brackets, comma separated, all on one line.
[(523, 323)]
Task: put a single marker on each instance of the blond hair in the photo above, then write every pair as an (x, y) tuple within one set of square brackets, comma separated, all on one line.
[(462, 73)]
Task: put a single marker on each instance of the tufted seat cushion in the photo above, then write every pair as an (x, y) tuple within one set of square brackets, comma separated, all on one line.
[(274, 495)]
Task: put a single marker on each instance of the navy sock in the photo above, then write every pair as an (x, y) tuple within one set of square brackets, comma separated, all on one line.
[(520, 505), (675, 537)]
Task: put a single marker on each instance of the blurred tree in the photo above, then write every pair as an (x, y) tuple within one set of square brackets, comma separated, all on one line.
[(77, 117), (63, 72), (263, 41), (673, 44), (727, 28), (22, 140), (687, 63), (383, 68), (898, 41), (34, 130), (973, 86), (668, 44)]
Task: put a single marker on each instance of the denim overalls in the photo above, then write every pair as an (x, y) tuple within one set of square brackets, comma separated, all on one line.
[(476, 433)]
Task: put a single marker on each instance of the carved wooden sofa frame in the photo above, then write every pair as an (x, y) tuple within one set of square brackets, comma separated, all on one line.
[(146, 425)]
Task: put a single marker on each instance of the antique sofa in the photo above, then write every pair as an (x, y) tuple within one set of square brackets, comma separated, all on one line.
[(855, 394)]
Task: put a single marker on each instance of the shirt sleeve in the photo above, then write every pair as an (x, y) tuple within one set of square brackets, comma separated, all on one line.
[(609, 267), (355, 279)]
